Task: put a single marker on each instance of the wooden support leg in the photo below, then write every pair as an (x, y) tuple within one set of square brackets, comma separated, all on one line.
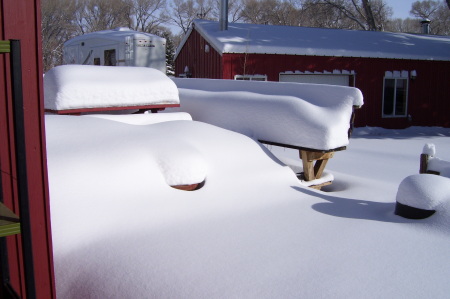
[(308, 166), (314, 163), (319, 167)]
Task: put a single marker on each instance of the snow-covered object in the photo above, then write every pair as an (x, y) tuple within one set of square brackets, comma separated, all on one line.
[(439, 165), (83, 86), (304, 115), (294, 40), (429, 149), (144, 118), (424, 191), (434, 163)]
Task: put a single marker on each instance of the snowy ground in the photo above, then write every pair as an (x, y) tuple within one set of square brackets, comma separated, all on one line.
[(252, 231)]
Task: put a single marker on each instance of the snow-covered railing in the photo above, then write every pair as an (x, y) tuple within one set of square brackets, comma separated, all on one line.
[(315, 119), (72, 89)]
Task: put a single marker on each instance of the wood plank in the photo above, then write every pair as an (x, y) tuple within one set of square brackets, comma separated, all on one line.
[(314, 163), (98, 109), (9, 222)]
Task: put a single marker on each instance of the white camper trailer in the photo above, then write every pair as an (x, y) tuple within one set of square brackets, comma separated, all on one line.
[(117, 47)]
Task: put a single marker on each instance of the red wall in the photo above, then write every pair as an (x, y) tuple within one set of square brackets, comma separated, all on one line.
[(201, 64), (21, 20)]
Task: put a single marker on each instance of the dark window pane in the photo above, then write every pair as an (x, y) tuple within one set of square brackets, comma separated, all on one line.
[(388, 104), (400, 97)]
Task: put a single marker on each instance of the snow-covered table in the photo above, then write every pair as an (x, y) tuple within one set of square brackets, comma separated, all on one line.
[(75, 89), (314, 119)]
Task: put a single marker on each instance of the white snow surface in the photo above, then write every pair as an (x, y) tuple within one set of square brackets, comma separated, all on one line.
[(144, 118), (85, 86), (252, 231), (304, 115), (293, 40), (424, 191)]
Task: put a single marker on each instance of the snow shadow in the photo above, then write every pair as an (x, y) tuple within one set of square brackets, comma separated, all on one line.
[(354, 208)]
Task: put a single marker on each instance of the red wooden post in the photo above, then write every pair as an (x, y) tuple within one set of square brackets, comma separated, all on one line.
[(21, 20)]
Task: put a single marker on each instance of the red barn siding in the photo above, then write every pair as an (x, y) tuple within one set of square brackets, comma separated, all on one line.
[(201, 64), (21, 20)]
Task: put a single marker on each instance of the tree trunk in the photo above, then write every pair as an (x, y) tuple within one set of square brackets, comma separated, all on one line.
[(369, 15)]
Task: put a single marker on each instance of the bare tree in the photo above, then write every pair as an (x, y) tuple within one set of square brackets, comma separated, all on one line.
[(147, 15), (184, 12), (271, 12), (403, 25), (324, 16), (361, 12), (424, 9), (57, 27), (97, 15), (436, 11), (234, 10)]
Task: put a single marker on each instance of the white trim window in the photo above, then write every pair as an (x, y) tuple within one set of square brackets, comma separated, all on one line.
[(251, 77), (395, 94)]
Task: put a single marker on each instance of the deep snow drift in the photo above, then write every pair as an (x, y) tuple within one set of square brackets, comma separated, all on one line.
[(252, 231)]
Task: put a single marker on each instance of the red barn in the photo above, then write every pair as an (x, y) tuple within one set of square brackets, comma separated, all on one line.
[(404, 77)]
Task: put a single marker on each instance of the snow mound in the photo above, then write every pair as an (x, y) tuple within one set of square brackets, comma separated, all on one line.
[(304, 115), (85, 86), (424, 191)]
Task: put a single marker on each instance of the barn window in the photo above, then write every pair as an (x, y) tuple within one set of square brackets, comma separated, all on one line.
[(251, 77), (395, 97)]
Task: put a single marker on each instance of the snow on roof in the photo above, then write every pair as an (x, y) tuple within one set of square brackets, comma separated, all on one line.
[(117, 34), (87, 86), (304, 115), (290, 40)]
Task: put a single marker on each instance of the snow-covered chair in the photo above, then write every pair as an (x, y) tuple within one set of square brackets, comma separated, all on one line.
[(75, 89)]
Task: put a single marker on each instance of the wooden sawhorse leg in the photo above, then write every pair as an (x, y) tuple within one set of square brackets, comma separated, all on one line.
[(314, 163)]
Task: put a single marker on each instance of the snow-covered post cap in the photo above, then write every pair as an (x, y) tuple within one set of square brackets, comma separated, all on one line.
[(420, 195), (429, 149)]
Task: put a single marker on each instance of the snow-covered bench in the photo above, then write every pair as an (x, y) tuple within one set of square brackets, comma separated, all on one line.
[(75, 89), (314, 119)]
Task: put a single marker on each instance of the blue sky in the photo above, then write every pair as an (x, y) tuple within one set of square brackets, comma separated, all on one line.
[(401, 8)]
